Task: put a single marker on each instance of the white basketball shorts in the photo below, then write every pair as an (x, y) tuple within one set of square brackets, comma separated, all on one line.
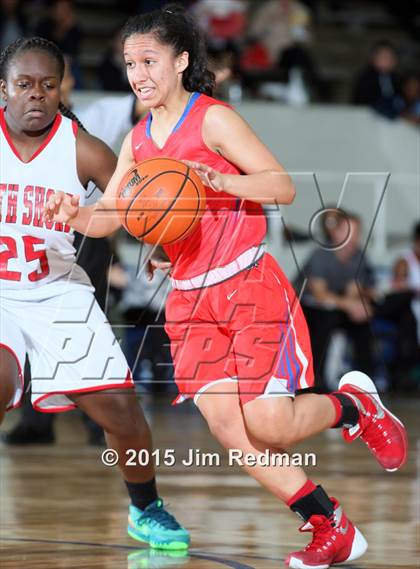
[(69, 342)]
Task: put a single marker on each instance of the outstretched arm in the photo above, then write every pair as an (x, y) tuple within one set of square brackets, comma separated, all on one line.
[(96, 162)]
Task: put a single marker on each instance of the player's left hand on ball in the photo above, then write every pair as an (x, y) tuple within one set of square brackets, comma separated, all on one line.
[(210, 177)]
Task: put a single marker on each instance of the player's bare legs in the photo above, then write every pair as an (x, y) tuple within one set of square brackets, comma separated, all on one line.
[(122, 418), (335, 538), (220, 407), (283, 421), (356, 406), (9, 380)]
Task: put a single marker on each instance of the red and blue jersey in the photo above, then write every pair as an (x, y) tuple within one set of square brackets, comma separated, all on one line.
[(229, 225)]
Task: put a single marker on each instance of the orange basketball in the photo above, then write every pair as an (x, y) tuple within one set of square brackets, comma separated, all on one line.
[(160, 200)]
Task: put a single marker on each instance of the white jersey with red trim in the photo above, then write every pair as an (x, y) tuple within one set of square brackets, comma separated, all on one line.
[(35, 252)]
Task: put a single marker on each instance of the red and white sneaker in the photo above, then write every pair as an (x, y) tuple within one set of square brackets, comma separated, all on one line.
[(335, 540), (383, 433)]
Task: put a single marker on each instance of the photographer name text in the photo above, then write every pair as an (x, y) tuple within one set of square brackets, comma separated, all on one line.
[(194, 457)]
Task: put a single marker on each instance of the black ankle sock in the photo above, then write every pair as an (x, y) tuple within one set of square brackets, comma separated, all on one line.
[(317, 502), (142, 493), (349, 411)]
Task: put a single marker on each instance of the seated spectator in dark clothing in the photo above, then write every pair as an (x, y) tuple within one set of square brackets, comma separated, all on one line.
[(61, 27), (297, 57), (338, 295), (408, 103), (377, 85)]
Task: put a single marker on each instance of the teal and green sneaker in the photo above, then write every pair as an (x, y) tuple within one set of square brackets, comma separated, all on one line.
[(157, 527)]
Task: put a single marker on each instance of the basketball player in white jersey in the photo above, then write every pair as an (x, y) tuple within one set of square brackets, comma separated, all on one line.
[(47, 308)]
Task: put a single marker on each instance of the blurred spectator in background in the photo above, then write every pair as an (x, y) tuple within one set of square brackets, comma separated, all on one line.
[(223, 21), (376, 86), (408, 102), (255, 56), (333, 299), (407, 274), (397, 321), (277, 24), (223, 64), (12, 22), (279, 35), (296, 63), (297, 80), (112, 73), (61, 26)]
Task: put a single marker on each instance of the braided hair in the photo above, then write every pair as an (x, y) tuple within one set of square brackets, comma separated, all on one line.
[(173, 26), (66, 112), (22, 45)]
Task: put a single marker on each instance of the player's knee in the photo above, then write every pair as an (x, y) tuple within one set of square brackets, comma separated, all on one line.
[(223, 429), (274, 437), (124, 417), (285, 440), (273, 429)]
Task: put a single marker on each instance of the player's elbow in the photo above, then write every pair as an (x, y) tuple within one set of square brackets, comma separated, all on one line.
[(285, 189), (290, 193)]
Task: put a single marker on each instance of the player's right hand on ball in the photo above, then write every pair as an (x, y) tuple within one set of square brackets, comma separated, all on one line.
[(61, 207)]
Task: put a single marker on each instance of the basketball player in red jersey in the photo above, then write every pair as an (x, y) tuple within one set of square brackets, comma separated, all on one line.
[(47, 307), (239, 340)]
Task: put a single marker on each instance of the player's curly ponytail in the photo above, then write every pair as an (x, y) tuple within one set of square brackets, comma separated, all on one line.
[(173, 26)]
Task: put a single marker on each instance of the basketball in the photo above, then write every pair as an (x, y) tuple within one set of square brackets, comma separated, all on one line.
[(160, 200)]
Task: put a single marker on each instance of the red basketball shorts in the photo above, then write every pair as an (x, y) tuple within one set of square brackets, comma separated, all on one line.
[(249, 328)]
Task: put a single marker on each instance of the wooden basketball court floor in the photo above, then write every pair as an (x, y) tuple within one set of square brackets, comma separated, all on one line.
[(61, 508)]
